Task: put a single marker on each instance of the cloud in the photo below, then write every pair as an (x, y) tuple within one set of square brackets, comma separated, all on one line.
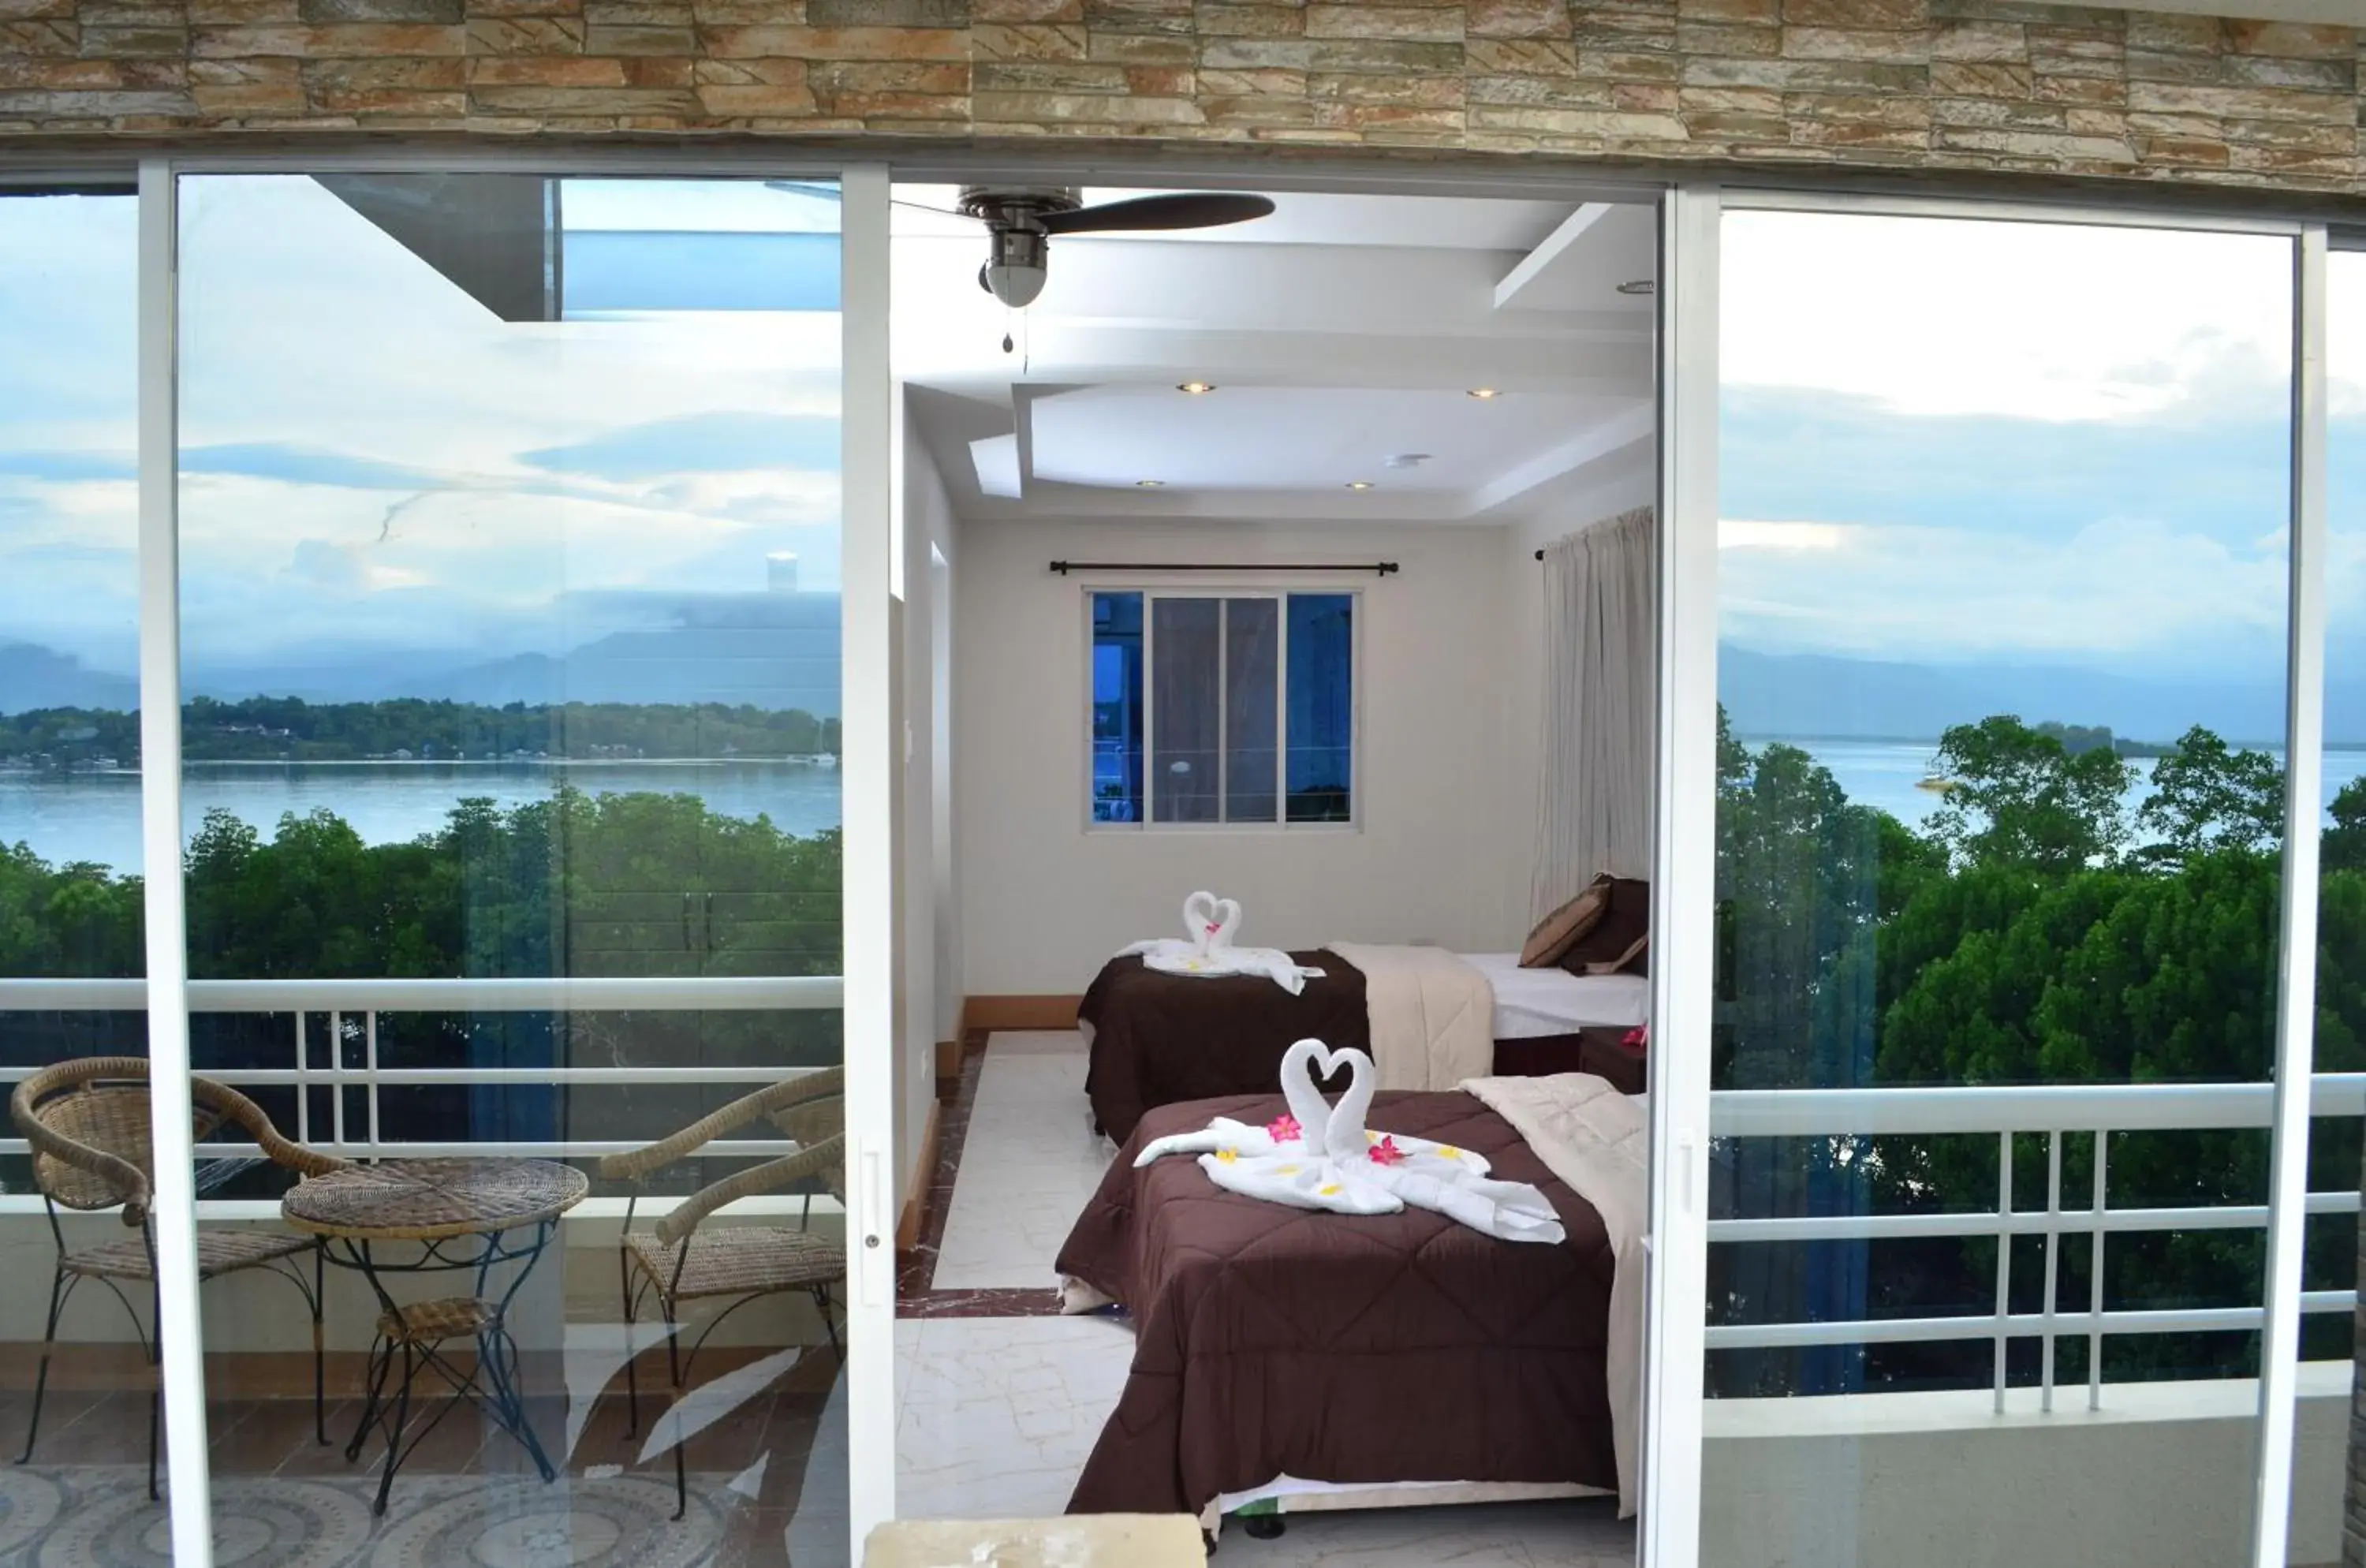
[(53, 465), (719, 442), (2054, 321), (308, 464), (2118, 592)]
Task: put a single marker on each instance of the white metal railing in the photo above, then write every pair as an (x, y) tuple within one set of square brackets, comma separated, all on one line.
[(363, 1000), (2049, 1109)]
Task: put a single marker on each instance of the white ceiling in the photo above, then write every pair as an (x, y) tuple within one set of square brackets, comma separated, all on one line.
[(1341, 332)]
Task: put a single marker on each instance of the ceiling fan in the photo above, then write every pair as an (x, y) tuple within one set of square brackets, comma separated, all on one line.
[(1020, 221)]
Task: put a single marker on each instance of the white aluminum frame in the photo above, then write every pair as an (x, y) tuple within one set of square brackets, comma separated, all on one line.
[(1682, 982), (1684, 870), (1249, 586), (867, 764), (2296, 974)]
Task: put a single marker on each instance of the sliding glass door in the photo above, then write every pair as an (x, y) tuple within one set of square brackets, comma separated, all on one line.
[(1985, 1084), (493, 800)]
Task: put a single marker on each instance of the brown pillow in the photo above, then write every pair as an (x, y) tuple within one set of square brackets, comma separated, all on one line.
[(1616, 938), (1632, 960), (1556, 932)]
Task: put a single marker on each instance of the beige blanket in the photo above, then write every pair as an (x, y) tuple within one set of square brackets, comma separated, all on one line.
[(1433, 1016), (1596, 1140)]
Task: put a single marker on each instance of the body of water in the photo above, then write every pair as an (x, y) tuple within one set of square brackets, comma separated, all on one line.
[(1886, 773), (95, 816)]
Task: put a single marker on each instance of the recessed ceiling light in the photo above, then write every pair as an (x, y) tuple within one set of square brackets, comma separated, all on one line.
[(1149, 484), (1359, 484), (1195, 387), (1482, 393), (1638, 286)]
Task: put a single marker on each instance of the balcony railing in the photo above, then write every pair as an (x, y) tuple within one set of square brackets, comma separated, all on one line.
[(345, 1002), (2051, 1110)]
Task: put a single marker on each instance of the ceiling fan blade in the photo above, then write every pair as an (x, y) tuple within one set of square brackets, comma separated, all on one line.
[(1189, 210)]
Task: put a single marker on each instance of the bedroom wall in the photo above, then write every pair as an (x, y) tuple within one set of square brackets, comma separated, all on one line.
[(1617, 482), (1045, 902), (929, 990)]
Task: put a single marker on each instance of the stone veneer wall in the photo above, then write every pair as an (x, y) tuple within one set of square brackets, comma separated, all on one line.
[(1893, 85)]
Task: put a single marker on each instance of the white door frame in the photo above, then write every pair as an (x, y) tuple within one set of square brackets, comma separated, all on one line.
[(1684, 978), (866, 764)]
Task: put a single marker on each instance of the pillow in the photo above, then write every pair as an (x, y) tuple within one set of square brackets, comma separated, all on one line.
[(1555, 932), (1632, 960), (1617, 937)]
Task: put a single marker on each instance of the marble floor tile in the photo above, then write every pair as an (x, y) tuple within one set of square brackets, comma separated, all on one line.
[(1030, 1163), (1000, 1414)]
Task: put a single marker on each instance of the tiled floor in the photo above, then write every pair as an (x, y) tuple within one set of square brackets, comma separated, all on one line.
[(1030, 1162), (995, 1414)]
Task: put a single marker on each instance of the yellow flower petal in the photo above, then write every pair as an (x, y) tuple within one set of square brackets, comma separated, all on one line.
[(1227, 1156), (1448, 1151), (1330, 1191)]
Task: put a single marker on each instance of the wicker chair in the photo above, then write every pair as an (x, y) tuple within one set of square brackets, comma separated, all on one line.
[(87, 1121), (680, 1263)]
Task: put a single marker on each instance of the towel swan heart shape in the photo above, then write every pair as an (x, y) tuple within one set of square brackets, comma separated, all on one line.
[(1208, 921), (1206, 951), (1323, 1156)]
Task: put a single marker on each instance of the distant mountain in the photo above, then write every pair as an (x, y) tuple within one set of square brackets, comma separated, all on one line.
[(33, 676), (1821, 695), (768, 650)]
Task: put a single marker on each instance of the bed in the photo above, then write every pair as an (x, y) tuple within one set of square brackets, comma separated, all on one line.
[(1326, 1359), (1158, 1039)]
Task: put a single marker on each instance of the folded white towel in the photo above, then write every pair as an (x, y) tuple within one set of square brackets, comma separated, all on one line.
[(1323, 1156), (1207, 951)]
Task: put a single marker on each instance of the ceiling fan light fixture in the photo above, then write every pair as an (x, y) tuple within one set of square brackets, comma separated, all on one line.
[(1484, 393), (1359, 484), (1150, 484), (1197, 389)]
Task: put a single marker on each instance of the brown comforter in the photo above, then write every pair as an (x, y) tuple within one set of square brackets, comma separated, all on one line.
[(1163, 1039), (1357, 1350), (1160, 1039)]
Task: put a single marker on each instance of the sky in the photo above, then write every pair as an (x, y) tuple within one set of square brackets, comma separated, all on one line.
[(373, 465), (1942, 442), (1970, 443)]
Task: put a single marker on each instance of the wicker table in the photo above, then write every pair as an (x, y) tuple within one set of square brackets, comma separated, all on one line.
[(462, 1213)]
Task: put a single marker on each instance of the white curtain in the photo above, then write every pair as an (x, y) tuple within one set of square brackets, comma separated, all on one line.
[(1601, 641)]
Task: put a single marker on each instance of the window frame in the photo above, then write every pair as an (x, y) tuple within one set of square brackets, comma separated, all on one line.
[(1249, 587)]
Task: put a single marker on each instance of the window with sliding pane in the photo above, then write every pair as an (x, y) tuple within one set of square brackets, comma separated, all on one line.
[(510, 585), (2002, 575), (1222, 710), (76, 1393)]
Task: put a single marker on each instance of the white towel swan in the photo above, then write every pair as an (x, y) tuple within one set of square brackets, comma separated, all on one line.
[(1321, 1157), (1207, 950)]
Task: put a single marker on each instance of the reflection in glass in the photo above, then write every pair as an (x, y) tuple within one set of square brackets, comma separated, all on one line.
[(1187, 709), (1252, 632), (509, 554), (1322, 706), (69, 857), (2001, 682)]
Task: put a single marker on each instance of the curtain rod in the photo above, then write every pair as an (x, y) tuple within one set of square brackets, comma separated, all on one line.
[(1377, 568)]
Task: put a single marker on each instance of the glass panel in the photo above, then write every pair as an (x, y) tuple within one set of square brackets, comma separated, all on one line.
[(2330, 1442), (2002, 624), (1252, 638), (1321, 722), (70, 853), (1187, 709), (1117, 707), (510, 515)]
